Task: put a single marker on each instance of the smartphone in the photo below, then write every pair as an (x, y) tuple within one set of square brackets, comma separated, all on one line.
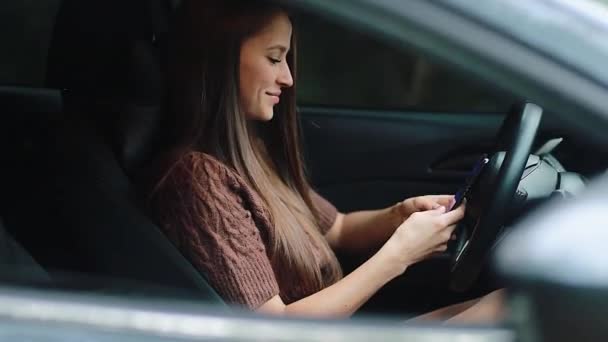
[(462, 193)]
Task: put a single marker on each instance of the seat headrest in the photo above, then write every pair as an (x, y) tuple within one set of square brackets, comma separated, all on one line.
[(106, 56)]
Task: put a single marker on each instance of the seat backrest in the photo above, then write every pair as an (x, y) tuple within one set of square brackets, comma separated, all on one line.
[(73, 200), (110, 52)]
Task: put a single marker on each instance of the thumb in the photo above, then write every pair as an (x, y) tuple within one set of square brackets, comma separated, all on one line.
[(439, 211)]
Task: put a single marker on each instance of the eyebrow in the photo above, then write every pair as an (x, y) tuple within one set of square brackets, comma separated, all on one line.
[(278, 47)]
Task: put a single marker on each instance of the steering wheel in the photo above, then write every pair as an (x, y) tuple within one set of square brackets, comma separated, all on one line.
[(490, 196)]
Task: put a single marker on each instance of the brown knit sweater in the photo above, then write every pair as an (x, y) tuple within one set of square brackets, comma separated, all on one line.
[(230, 243)]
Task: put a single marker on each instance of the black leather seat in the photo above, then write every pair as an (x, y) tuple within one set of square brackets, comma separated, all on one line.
[(76, 207)]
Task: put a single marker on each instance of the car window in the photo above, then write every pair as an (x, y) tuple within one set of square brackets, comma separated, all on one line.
[(342, 67), (27, 26)]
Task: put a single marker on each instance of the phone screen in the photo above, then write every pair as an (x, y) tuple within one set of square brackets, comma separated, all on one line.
[(461, 194)]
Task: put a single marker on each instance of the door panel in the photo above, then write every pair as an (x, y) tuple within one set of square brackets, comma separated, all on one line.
[(365, 159), (370, 159)]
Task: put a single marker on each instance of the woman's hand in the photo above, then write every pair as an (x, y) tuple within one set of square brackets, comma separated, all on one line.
[(422, 234), (422, 203), (370, 229)]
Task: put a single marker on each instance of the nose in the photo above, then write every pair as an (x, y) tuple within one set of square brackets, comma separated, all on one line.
[(285, 79)]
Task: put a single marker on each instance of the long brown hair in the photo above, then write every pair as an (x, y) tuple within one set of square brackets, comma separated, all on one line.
[(203, 98)]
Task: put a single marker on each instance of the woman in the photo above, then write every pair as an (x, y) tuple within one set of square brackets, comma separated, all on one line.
[(233, 195)]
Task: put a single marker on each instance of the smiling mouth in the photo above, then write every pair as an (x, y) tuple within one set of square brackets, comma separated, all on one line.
[(275, 97)]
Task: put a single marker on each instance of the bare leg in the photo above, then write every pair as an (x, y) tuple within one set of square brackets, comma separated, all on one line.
[(446, 312), (487, 309)]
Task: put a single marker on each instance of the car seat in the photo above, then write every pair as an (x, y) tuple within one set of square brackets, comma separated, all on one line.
[(77, 208)]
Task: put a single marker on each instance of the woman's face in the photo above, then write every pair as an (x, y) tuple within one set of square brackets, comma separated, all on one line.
[(263, 69)]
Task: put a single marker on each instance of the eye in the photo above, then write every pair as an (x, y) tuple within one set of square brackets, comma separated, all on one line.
[(274, 60)]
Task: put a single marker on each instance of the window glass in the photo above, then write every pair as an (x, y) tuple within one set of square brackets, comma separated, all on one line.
[(344, 68)]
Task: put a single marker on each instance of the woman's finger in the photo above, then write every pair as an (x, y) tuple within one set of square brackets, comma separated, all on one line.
[(426, 203), (444, 200), (452, 217), (450, 229), (441, 248)]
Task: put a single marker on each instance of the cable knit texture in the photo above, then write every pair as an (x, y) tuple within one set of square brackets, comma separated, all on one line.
[(225, 230)]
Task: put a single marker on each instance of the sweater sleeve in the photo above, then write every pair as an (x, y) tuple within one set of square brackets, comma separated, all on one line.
[(326, 211), (211, 222)]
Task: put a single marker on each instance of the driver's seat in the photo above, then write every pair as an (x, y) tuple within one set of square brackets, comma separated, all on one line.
[(89, 218)]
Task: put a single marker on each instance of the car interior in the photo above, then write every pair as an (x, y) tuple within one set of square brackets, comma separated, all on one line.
[(85, 170), (69, 195)]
